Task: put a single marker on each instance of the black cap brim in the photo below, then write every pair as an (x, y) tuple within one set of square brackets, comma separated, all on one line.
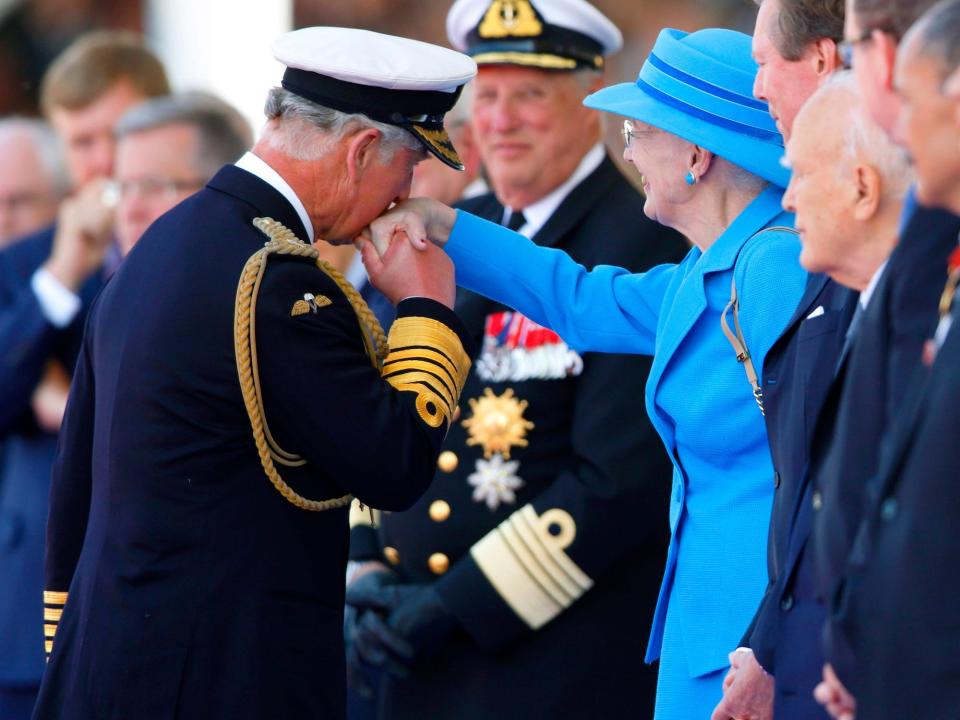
[(438, 143)]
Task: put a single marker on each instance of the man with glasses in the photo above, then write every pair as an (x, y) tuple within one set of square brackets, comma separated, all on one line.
[(167, 149)]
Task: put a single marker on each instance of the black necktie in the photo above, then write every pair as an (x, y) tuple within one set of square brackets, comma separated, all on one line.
[(516, 221)]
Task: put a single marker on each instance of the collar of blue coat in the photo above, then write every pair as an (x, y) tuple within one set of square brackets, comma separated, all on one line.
[(764, 211)]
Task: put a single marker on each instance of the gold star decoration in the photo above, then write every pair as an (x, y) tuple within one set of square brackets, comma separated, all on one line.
[(496, 423)]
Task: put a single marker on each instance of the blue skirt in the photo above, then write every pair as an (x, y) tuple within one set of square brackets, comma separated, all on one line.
[(679, 696)]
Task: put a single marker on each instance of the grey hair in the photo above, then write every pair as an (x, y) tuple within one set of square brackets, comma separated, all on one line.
[(222, 133), (306, 130), (863, 138), (939, 29), (47, 146)]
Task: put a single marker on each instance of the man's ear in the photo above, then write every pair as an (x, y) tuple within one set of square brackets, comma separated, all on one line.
[(887, 47), (825, 57), (869, 190), (361, 152)]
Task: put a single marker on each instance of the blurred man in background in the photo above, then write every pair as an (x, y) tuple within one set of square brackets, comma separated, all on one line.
[(533, 462), (438, 181), (47, 281), (33, 177), (167, 149)]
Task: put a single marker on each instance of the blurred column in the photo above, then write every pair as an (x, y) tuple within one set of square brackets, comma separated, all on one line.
[(221, 46)]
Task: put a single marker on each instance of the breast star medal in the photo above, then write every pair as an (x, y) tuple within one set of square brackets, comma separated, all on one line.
[(495, 481), (496, 423)]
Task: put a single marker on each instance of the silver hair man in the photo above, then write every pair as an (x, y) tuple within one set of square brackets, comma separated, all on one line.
[(33, 177)]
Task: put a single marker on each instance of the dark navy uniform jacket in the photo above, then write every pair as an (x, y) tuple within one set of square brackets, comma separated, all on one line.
[(27, 341), (797, 373), (588, 519), (195, 589), (897, 607), (873, 383)]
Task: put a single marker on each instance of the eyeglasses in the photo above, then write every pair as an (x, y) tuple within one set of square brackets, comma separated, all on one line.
[(628, 133), (148, 187), (846, 47)]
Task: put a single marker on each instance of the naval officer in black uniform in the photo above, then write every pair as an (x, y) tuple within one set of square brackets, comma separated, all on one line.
[(233, 393), (531, 566)]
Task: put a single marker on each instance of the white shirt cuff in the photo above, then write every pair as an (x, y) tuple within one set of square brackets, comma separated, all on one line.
[(59, 305)]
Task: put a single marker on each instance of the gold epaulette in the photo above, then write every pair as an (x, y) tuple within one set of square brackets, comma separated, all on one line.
[(53, 603), (283, 242)]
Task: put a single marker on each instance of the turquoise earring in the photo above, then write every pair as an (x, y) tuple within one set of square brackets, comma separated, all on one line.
[(691, 178)]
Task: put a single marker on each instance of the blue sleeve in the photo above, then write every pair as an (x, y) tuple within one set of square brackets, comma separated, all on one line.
[(27, 340), (770, 282), (606, 310)]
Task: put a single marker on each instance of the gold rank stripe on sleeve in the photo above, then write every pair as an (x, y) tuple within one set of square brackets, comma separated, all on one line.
[(427, 358), (53, 603), (525, 561)]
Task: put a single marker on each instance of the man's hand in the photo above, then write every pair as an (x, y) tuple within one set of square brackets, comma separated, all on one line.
[(747, 690), (422, 220), (84, 234), (416, 627), (49, 401), (834, 697), (404, 272), (367, 638)]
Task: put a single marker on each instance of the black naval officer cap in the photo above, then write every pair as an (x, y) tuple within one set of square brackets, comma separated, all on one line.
[(561, 35), (393, 80)]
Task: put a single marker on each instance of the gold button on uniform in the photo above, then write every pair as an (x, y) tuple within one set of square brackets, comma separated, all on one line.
[(439, 563), (391, 554), (439, 510), (448, 461)]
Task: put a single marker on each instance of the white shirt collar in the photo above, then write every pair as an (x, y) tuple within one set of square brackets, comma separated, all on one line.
[(872, 285), (255, 165), (539, 212)]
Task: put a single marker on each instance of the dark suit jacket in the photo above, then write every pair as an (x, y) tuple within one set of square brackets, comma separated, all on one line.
[(797, 374), (195, 589), (593, 457), (897, 607), (869, 394), (27, 341)]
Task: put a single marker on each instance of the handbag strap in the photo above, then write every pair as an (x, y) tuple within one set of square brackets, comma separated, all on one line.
[(735, 336)]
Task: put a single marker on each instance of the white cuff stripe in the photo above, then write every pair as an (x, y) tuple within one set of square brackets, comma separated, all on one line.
[(519, 523), (528, 562), (528, 567)]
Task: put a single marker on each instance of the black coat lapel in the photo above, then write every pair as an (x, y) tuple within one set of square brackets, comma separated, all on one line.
[(263, 197)]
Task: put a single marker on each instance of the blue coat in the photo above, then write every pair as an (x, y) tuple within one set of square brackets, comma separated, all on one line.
[(27, 341), (697, 395)]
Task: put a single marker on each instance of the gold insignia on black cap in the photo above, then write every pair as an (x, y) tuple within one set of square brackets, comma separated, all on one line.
[(510, 18), (438, 143)]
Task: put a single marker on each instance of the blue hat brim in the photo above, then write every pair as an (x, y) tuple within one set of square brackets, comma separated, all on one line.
[(752, 154)]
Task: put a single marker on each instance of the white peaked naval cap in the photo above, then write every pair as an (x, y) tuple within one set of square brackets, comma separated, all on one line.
[(393, 80)]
